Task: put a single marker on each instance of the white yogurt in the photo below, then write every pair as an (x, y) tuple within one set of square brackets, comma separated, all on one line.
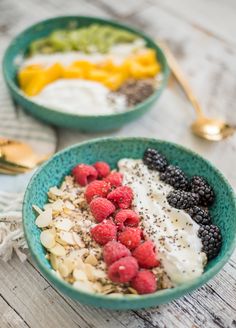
[(79, 96), (173, 231)]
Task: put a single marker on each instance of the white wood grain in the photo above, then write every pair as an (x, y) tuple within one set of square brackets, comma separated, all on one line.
[(27, 299)]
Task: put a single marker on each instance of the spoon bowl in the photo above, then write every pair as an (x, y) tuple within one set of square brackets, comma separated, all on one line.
[(211, 128)]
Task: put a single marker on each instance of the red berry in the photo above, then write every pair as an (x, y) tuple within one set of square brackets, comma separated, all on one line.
[(130, 237), (102, 168), (101, 208), (126, 218), (144, 282), (145, 255), (104, 232), (113, 251), (84, 174), (96, 188), (115, 179), (121, 196), (123, 270)]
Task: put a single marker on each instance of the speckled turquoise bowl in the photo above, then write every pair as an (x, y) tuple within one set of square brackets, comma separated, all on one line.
[(111, 150), (18, 48)]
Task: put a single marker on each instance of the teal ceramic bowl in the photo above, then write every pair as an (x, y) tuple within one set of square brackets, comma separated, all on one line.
[(111, 150), (17, 49)]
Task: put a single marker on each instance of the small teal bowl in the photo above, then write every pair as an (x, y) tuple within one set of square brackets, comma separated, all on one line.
[(17, 49), (111, 150)]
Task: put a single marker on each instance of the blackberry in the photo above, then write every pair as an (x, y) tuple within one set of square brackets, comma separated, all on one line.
[(199, 215), (199, 186), (175, 177), (182, 199), (211, 240), (154, 160)]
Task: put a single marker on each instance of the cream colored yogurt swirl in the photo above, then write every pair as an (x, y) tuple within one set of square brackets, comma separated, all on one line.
[(173, 231)]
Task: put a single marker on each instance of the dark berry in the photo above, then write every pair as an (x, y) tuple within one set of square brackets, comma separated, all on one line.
[(182, 199), (154, 160), (199, 215), (211, 240), (175, 177), (199, 186)]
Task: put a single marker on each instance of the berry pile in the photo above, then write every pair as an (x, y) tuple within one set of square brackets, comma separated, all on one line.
[(193, 196), (127, 255)]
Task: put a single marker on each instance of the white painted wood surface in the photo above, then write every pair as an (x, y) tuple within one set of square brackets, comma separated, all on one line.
[(202, 35)]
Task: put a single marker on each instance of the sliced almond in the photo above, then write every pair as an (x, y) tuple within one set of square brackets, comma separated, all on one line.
[(69, 205), (89, 270), (58, 250), (83, 286), (99, 274), (57, 206), (63, 224), (64, 269), (55, 191), (70, 264), (55, 261), (37, 209), (79, 275), (91, 259), (78, 239), (47, 206), (44, 219), (47, 238), (60, 241), (67, 237)]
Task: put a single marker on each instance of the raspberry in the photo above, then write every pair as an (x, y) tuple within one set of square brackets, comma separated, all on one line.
[(121, 196), (126, 218), (145, 255), (104, 232), (113, 251), (130, 237), (144, 282), (84, 174), (115, 179), (96, 188), (123, 270), (102, 168), (101, 208)]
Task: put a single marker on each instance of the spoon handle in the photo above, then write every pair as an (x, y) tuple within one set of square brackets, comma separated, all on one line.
[(179, 75)]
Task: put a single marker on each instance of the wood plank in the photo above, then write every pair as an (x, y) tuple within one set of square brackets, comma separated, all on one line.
[(206, 15), (9, 318)]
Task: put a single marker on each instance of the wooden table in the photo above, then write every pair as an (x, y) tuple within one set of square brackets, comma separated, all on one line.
[(202, 36)]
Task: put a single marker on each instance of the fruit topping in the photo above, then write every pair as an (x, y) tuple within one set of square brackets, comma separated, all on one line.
[(182, 199), (102, 168), (115, 179), (121, 196), (84, 174), (145, 255), (199, 215), (123, 270), (211, 240), (113, 251), (101, 208), (126, 218), (130, 237), (144, 282), (97, 188), (199, 186), (175, 177), (104, 232), (154, 160)]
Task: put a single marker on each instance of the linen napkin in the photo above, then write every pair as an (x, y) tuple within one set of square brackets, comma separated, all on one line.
[(16, 124)]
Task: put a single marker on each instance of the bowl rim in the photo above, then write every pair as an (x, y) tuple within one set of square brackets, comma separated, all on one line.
[(133, 301), (15, 88)]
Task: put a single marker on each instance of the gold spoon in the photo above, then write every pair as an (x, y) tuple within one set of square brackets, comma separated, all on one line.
[(207, 128)]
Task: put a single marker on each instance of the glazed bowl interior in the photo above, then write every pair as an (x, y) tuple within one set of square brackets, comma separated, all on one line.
[(111, 150), (18, 49)]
